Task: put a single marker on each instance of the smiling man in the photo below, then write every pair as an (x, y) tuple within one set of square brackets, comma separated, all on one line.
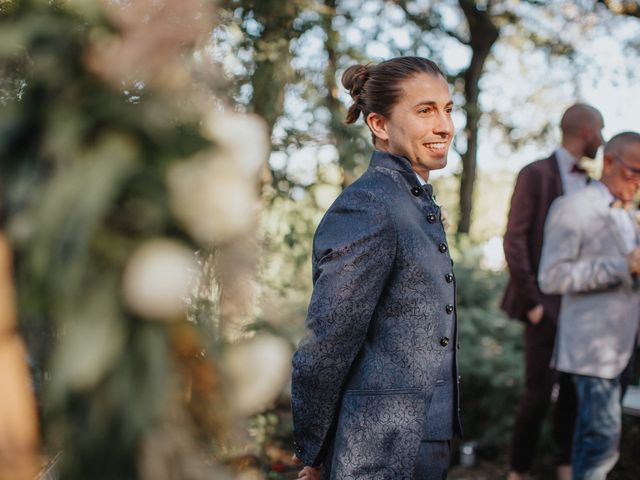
[(591, 256), (537, 186), (375, 385)]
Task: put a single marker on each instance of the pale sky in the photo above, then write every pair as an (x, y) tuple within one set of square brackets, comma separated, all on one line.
[(519, 85), (616, 95)]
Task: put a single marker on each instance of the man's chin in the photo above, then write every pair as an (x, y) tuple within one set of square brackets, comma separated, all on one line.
[(438, 163), (430, 162)]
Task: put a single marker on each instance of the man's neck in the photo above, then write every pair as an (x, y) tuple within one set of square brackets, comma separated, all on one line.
[(422, 172), (419, 169), (573, 148)]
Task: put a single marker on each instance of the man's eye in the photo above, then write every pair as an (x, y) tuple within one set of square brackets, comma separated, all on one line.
[(424, 110)]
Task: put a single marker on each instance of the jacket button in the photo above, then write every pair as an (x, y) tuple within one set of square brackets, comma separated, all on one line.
[(449, 277), (443, 247), (433, 197), (431, 218), (444, 341), (449, 309), (416, 191), (458, 345)]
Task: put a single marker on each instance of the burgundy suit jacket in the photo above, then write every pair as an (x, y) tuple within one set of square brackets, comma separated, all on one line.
[(537, 186)]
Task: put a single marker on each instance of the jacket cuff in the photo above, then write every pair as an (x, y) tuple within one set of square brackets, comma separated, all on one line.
[(530, 302), (305, 456)]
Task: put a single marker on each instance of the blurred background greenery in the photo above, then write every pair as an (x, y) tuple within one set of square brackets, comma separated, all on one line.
[(162, 153)]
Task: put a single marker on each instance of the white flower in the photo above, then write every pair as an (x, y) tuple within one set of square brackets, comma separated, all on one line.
[(157, 279), (242, 139), (211, 199), (260, 368)]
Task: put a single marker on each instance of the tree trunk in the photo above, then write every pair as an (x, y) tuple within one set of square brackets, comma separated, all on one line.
[(343, 135), (483, 34), (272, 57)]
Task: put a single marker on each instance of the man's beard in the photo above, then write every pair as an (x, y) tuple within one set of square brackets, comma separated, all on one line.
[(591, 151)]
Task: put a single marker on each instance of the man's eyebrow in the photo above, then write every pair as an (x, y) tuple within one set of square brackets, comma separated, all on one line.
[(426, 102), (433, 103)]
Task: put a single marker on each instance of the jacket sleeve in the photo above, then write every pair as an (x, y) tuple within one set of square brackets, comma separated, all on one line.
[(354, 251), (563, 270), (520, 225)]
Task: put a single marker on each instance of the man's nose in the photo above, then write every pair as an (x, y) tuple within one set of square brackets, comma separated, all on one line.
[(443, 124)]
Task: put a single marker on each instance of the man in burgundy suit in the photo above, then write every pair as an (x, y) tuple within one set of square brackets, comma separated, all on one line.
[(537, 185)]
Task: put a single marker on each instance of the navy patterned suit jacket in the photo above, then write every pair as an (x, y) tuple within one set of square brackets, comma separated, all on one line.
[(379, 326)]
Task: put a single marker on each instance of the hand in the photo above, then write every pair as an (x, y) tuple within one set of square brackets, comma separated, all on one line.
[(633, 260), (535, 314), (307, 473)]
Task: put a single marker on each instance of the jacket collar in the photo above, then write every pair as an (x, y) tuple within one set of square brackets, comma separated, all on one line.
[(402, 165), (392, 161)]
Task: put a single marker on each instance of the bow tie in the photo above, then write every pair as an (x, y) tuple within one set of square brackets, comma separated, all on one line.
[(576, 168)]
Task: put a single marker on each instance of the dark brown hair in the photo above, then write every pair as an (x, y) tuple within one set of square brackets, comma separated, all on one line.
[(376, 88)]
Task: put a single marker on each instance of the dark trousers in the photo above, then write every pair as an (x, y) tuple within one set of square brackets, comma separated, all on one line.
[(434, 458), (534, 405)]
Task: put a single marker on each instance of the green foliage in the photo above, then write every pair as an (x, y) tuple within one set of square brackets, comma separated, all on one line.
[(490, 357), (84, 167)]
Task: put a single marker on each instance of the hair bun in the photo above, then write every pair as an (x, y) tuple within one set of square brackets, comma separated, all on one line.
[(354, 79)]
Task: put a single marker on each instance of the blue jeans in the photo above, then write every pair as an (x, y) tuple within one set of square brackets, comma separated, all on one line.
[(598, 426)]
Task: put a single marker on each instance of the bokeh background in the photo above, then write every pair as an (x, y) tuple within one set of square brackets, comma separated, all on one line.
[(164, 164)]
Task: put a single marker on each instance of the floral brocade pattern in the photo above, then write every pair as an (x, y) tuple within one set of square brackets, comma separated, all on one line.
[(371, 424), (379, 318)]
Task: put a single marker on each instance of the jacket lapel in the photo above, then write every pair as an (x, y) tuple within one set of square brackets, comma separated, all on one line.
[(555, 169), (608, 221), (613, 227)]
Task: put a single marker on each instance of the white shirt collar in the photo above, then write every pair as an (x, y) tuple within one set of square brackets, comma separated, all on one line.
[(420, 179), (565, 159)]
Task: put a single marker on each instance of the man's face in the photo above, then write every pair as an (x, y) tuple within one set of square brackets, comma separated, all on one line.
[(594, 138), (625, 167), (420, 126)]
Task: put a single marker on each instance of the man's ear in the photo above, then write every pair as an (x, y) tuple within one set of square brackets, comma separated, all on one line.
[(378, 125), (607, 161)]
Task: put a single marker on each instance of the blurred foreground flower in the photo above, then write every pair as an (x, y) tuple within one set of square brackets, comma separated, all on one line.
[(213, 202), (259, 369), (241, 139), (113, 226), (153, 41), (215, 195), (157, 279)]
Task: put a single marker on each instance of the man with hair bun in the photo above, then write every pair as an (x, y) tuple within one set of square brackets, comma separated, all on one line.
[(591, 256), (537, 186), (374, 382)]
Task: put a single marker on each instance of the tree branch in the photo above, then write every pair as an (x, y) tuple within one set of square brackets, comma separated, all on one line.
[(425, 22), (624, 7)]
